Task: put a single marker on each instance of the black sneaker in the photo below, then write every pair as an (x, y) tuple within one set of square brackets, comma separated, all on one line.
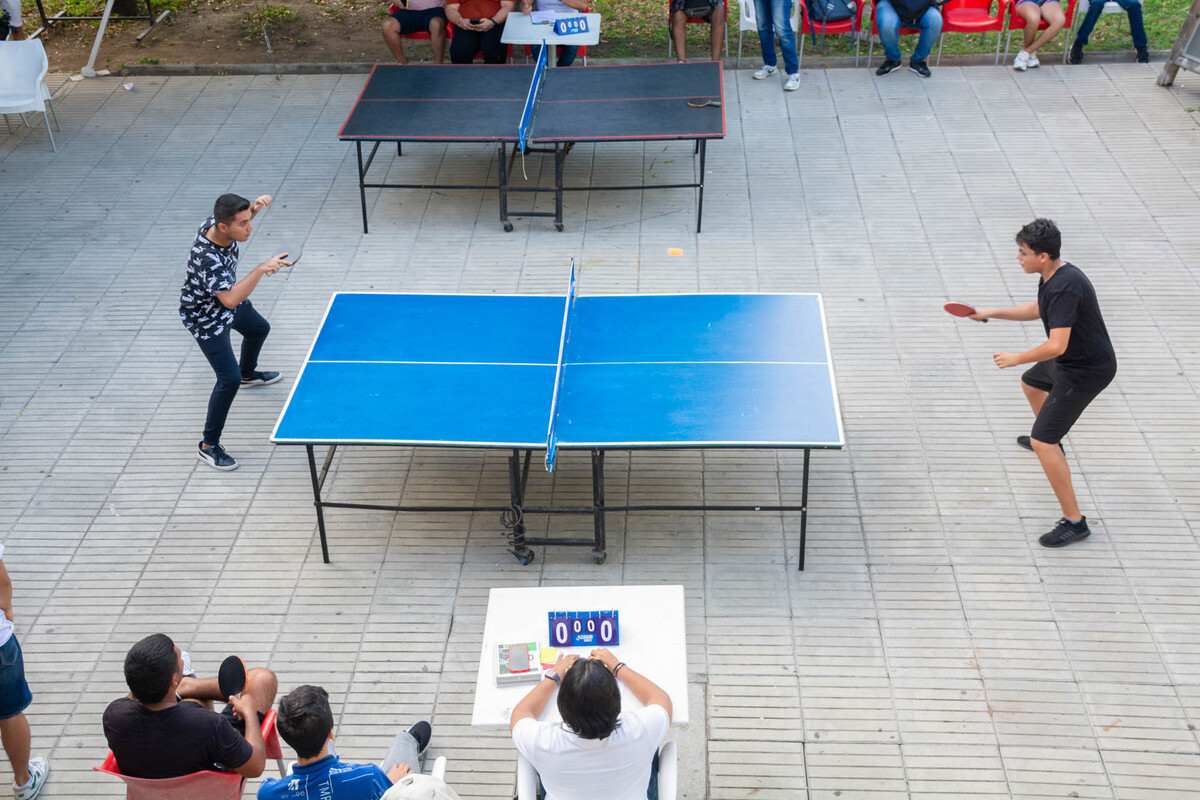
[(887, 66), (1065, 532), (1076, 56), (216, 457), (1025, 442), (921, 68), (1143, 55), (422, 732), (261, 379)]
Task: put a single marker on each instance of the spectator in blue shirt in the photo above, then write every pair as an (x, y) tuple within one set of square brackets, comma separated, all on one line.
[(305, 722)]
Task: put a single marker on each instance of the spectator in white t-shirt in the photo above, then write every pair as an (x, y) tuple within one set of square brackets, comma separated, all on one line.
[(598, 750), (10, 20)]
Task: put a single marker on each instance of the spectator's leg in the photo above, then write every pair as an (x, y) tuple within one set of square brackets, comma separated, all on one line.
[(1032, 14), (931, 29), (494, 50), (219, 352), (716, 22), (14, 732), (262, 685), (679, 34), (1055, 19), (889, 29), (254, 329), (404, 750), (781, 16), (766, 30), (437, 38), (463, 45), (1137, 26), (391, 35), (1089, 22), (566, 55)]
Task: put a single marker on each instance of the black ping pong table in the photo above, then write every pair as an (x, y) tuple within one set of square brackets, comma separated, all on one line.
[(536, 110)]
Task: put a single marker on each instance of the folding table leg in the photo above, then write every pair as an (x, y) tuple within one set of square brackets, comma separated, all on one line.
[(600, 547), (362, 190), (560, 155), (503, 169), (804, 510), (514, 518), (316, 486), (701, 145)]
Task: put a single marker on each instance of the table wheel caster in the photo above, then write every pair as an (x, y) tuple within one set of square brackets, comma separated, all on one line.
[(524, 556), (558, 226), (599, 558), (508, 227)]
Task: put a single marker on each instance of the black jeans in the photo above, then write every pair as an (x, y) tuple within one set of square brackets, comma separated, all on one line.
[(219, 351), (466, 44)]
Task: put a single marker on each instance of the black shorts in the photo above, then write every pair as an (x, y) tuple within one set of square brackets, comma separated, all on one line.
[(1062, 407), (417, 21), (237, 722)]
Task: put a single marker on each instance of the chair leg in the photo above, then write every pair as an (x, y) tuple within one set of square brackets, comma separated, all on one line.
[(54, 114), (857, 46), (939, 55), (7, 124), (49, 132), (741, 38), (870, 51), (800, 61)]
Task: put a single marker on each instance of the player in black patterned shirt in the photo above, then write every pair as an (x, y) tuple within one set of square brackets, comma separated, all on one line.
[(213, 302)]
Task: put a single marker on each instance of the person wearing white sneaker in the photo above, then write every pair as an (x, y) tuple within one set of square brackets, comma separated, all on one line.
[(775, 21), (29, 774), (1035, 13)]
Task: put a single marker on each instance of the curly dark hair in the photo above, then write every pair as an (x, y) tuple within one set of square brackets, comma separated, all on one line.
[(1041, 236), (589, 699)]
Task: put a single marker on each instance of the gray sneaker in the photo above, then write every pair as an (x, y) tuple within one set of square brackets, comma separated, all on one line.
[(39, 771)]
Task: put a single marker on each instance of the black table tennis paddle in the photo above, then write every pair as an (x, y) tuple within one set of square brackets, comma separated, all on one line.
[(231, 677)]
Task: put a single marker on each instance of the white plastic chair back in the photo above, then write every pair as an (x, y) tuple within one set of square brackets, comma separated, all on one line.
[(23, 69)]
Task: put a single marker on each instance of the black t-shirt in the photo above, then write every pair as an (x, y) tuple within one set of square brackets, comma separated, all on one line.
[(176, 741), (1068, 300)]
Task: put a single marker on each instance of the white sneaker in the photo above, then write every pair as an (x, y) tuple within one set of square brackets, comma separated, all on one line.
[(763, 72), (793, 83), (39, 770), (1033, 61), (1021, 62)]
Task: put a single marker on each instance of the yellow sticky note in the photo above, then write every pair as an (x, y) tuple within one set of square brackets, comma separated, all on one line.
[(674, 251), (549, 655)]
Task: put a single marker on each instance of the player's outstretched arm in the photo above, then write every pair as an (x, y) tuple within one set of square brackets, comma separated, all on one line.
[(1022, 313), (645, 690), (531, 704), (232, 298)]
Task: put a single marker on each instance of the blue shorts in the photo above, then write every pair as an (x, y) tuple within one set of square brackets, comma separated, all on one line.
[(15, 696), (1038, 2), (417, 21)]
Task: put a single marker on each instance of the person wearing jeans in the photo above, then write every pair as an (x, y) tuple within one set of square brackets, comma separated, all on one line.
[(213, 302), (566, 53), (929, 22), (1137, 29), (775, 20)]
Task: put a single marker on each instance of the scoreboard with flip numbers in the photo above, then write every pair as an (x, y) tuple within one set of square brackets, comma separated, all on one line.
[(584, 628)]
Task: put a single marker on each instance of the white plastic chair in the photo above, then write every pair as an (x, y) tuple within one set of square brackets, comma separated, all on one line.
[(423, 787), (668, 774), (748, 22), (23, 69)]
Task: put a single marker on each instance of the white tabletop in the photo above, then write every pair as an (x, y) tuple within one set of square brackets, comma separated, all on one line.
[(652, 641), (519, 29)]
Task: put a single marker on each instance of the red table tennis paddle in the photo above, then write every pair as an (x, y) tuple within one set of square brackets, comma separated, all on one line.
[(960, 310)]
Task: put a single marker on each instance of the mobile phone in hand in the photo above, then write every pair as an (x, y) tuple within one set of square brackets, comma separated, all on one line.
[(475, 21)]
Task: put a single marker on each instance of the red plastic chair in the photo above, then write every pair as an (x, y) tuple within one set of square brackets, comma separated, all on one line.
[(203, 785), (699, 21), (904, 31), (973, 16), (1017, 23), (853, 25)]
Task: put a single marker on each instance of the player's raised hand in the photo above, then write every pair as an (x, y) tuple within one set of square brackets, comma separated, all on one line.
[(564, 663), (260, 202), (606, 657)]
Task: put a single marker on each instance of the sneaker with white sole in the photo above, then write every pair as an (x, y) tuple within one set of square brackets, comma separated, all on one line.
[(1033, 61), (261, 379), (764, 72), (793, 83), (39, 770), (216, 457), (1021, 62)]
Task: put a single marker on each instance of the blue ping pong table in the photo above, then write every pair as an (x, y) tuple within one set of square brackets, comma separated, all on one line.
[(530, 373)]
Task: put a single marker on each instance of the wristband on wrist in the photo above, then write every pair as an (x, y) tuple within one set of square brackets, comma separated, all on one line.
[(617, 668)]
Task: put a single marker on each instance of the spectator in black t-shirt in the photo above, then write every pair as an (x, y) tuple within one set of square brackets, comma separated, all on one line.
[(1070, 368), (166, 727)]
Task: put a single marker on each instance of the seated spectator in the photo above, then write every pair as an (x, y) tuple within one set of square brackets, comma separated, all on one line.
[(566, 53), (10, 20), (1137, 29), (416, 16), (480, 24), (1033, 12), (305, 722), (775, 21), (597, 743), (166, 727), (715, 14), (917, 14)]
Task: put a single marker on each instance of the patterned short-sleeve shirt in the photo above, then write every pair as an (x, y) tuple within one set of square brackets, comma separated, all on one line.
[(210, 269)]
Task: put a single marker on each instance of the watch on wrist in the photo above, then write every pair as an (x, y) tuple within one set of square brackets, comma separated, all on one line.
[(552, 675)]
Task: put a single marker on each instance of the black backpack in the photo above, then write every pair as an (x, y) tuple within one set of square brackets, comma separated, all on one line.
[(826, 11)]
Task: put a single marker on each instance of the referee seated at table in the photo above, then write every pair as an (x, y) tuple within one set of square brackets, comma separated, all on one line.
[(597, 744), (566, 53), (479, 25)]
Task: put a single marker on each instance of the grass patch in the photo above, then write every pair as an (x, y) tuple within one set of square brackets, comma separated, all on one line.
[(267, 17)]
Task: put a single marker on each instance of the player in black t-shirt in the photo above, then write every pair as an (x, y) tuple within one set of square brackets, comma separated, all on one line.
[(163, 729), (1073, 365)]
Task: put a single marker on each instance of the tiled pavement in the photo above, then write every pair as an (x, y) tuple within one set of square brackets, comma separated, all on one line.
[(931, 649)]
